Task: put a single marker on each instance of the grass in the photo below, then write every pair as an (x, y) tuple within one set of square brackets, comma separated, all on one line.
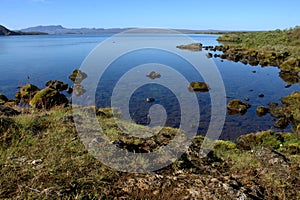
[(41, 157), (278, 40)]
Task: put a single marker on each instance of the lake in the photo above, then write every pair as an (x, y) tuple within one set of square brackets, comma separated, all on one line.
[(37, 59)]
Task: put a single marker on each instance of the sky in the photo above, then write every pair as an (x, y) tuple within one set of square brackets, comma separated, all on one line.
[(176, 14)]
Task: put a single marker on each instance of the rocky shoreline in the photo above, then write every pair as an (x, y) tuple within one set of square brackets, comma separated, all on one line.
[(43, 157)]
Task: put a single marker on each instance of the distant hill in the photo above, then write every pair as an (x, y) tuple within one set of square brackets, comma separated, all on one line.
[(6, 32), (58, 29)]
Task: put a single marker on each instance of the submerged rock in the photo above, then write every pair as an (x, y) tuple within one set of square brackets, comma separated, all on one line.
[(191, 47), (3, 99), (153, 75), (26, 93), (150, 100), (237, 107), (48, 98), (199, 87), (261, 111)]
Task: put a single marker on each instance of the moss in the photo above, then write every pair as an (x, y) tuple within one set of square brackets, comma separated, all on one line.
[(292, 64), (26, 93), (261, 111), (48, 98), (224, 145), (237, 106)]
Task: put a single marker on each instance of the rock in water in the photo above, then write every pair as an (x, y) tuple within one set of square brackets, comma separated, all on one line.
[(261, 111), (77, 76), (198, 87), (237, 107), (150, 100), (153, 75)]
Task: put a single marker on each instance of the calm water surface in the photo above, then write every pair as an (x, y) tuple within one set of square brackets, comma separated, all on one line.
[(37, 59)]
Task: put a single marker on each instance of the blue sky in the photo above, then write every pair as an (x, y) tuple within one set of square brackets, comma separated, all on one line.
[(189, 14)]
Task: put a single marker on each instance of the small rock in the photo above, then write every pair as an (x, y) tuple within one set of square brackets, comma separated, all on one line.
[(281, 123), (150, 100), (153, 75), (261, 111), (209, 55), (36, 162), (237, 107), (247, 99), (288, 86), (261, 95), (198, 87), (253, 71)]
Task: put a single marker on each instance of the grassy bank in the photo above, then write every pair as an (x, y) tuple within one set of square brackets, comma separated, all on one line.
[(42, 157), (278, 40)]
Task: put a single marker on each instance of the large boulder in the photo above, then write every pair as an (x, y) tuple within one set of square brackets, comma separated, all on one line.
[(48, 98), (3, 99), (26, 93), (57, 85), (237, 107)]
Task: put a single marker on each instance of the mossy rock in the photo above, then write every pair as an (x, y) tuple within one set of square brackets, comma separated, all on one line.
[(261, 111), (26, 93), (8, 111), (289, 77), (57, 85), (247, 142), (48, 98), (224, 145), (3, 99), (292, 103), (77, 76), (191, 47), (237, 107), (291, 64), (199, 87), (281, 123)]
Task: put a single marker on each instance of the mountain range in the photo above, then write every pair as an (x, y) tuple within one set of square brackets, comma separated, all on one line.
[(58, 29)]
